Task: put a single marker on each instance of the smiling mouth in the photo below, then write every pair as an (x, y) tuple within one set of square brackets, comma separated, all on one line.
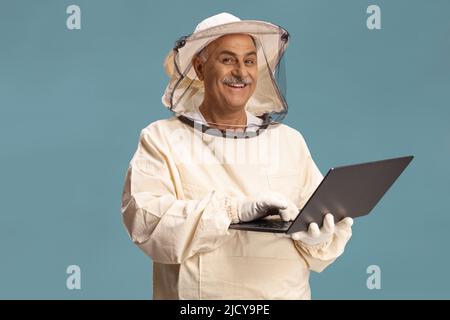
[(236, 86)]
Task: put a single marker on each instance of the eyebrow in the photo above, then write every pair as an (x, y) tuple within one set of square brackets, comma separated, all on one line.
[(234, 54)]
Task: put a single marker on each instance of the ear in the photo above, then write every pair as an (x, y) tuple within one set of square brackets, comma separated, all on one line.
[(198, 66)]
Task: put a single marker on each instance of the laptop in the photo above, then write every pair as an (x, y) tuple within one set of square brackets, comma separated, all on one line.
[(346, 191)]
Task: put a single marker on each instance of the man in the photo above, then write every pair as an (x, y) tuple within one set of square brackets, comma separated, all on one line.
[(226, 158)]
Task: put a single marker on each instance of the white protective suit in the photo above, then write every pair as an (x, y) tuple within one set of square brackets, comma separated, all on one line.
[(179, 200), (176, 212)]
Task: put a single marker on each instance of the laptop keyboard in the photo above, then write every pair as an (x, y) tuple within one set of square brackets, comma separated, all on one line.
[(275, 224)]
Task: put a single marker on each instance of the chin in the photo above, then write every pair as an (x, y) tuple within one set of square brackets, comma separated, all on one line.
[(236, 104)]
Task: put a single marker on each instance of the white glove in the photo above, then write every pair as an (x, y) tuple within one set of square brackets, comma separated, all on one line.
[(253, 208), (314, 236)]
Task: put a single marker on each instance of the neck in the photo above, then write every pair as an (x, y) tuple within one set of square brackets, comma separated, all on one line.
[(223, 119)]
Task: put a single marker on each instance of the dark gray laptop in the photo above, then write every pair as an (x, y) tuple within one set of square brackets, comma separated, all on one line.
[(346, 191)]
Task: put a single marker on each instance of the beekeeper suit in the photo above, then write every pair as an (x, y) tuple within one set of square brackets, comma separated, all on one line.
[(225, 157)]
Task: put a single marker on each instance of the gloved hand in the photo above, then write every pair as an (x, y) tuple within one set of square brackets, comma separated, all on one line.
[(253, 208), (315, 236)]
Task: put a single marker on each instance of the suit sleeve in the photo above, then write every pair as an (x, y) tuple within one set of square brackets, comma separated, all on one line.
[(168, 229)]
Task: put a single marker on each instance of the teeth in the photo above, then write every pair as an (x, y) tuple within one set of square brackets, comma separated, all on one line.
[(236, 85)]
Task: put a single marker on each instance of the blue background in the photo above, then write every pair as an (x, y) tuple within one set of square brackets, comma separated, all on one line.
[(72, 104)]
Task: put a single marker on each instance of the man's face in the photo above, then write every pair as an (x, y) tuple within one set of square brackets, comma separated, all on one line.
[(230, 71)]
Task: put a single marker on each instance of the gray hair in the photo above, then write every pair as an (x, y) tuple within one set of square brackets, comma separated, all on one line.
[(203, 54)]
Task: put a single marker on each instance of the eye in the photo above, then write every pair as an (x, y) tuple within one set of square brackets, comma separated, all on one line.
[(228, 60), (250, 62)]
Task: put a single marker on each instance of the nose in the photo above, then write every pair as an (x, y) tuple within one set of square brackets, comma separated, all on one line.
[(240, 70)]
